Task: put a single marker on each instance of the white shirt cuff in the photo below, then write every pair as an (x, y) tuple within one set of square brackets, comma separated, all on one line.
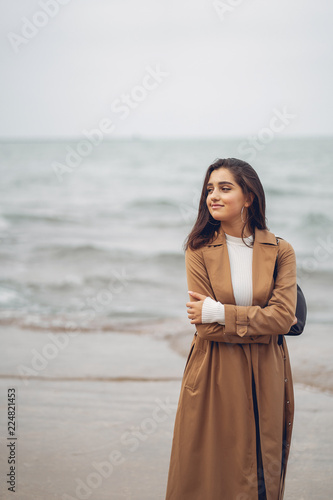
[(212, 312)]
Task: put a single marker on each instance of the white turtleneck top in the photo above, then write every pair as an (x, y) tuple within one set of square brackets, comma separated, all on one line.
[(240, 258)]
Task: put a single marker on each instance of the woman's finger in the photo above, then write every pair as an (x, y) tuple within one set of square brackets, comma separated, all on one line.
[(197, 295), (190, 304)]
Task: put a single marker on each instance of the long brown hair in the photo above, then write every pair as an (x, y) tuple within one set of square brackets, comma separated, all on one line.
[(247, 178)]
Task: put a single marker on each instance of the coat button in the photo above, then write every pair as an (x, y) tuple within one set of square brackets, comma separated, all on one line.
[(286, 380), (289, 423), (288, 402)]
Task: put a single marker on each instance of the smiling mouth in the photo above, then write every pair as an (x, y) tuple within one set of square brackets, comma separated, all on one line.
[(217, 206)]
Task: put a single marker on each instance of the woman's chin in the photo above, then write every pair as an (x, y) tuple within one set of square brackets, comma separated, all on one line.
[(217, 217)]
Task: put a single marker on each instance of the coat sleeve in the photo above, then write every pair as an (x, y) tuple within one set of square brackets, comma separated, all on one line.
[(277, 316), (198, 281)]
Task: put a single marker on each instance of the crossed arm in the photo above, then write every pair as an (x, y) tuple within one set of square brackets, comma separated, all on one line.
[(245, 324)]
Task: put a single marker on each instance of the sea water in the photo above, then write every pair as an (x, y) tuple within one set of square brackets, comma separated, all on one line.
[(101, 243)]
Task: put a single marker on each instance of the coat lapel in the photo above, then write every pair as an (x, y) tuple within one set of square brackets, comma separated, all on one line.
[(217, 263), (265, 251)]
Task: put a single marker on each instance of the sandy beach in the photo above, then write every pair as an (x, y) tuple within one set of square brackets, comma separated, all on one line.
[(96, 419)]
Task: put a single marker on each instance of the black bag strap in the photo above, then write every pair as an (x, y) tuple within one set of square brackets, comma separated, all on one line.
[(280, 337), (275, 267)]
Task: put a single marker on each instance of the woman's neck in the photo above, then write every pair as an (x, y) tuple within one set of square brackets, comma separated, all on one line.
[(237, 232)]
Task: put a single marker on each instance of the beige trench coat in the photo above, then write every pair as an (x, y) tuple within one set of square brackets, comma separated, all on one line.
[(236, 402)]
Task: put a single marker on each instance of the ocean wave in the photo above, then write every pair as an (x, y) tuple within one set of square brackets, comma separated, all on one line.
[(8, 295), (282, 192), (4, 224), (110, 253), (38, 217), (297, 190), (167, 258), (154, 203), (131, 322), (315, 219), (82, 250)]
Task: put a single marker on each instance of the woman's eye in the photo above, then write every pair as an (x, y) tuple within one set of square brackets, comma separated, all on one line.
[(209, 191)]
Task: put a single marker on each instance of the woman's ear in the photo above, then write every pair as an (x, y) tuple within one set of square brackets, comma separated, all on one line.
[(250, 199)]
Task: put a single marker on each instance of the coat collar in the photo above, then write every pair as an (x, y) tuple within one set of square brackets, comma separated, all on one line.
[(217, 263), (260, 236)]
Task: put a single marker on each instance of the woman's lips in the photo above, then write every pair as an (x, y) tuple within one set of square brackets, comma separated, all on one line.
[(217, 206)]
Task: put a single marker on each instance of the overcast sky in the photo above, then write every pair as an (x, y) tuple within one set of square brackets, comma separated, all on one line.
[(165, 68)]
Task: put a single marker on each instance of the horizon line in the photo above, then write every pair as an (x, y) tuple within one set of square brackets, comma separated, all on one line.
[(137, 137)]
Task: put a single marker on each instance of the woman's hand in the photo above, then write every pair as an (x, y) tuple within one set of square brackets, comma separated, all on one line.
[(194, 309)]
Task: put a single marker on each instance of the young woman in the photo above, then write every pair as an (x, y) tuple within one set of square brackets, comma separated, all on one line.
[(235, 413)]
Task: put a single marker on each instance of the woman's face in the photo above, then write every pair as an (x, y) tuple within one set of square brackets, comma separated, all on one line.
[(225, 197)]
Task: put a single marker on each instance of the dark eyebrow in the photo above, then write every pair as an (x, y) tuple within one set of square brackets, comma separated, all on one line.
[(222, 182)]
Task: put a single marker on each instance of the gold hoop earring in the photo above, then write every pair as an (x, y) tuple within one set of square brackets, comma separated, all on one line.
[(241, 214)]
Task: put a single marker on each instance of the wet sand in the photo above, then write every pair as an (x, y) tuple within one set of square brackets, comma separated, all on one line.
[(96, 419)]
